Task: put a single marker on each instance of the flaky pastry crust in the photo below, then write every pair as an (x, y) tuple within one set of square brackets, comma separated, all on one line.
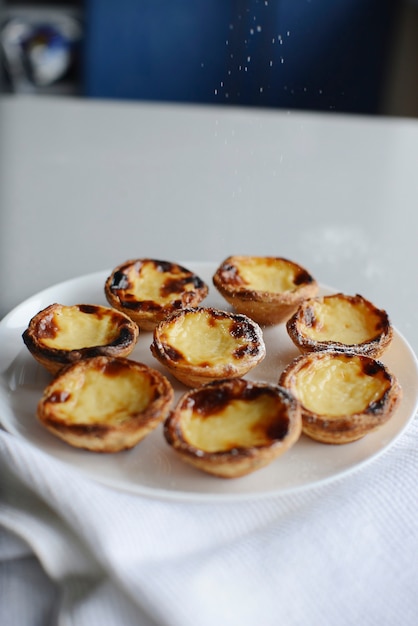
[(231, 428), (343, 396), (60, 335), (105, 404), (148, 290), (203, 344), (267, 289)]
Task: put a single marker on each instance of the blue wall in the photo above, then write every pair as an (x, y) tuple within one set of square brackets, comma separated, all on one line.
[(312, 54)]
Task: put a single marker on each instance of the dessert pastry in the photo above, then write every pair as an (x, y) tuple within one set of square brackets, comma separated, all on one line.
[(343, 396), (340, 322), (60, 334), (105, 404), (148, 290), (230, 428), (204, 344), (267, 289)]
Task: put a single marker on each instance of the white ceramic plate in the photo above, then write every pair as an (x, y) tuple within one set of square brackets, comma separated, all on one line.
[(152, 468)]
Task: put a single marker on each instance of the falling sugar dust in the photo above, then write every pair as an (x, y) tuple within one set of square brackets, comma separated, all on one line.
[(255, 53)]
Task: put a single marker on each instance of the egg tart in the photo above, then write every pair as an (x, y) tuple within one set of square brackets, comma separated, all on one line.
[(105, 404), (340, 322), (343, 396), (233, 427), (267, 289), (202, 344), (148, 290), (60, 335)]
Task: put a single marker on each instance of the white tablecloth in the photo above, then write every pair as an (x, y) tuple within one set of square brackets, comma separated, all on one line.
[(73, 552)]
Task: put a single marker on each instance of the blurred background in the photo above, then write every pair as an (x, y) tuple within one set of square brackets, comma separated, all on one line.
[(355, 56)]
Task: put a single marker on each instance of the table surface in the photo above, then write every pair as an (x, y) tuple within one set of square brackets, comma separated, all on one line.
[(88, 184)]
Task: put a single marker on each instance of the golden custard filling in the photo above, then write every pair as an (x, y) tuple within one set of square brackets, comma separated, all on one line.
[(241, 424), (72, 329), (339, 320), (95, 398), (153, 285), (201, 338), (271, 275), (334, 387)]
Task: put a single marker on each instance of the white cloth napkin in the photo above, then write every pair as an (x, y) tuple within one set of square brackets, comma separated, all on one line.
[(73, 552)]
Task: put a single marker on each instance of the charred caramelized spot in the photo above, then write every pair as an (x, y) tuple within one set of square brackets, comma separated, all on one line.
[(129, 302), (253, 392), (309, 317), (371, 368), (230, 274), (248, 349), (197, 282), (303, 278), (98, 311), (377, 406), (91, 309), (177, 304), (240, 328), (218, 314), (382, 324), (178, 285), (279, 428), (113, 367), (119, 281), (125, 336), (212, 319), (172, 353), (59, 396), (172, 286), (211, 401), (163, 266)]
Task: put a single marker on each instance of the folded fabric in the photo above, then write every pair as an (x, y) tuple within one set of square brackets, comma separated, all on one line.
[(76, 552)]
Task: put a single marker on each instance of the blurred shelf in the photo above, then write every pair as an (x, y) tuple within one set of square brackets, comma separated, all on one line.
[(19, 67)]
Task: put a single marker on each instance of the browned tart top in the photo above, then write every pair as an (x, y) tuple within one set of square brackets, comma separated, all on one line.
[(105, 404), (206, 337), (64, 334), (340, 322), (150, 286), (255, 277), (343, 395), (231, 415)]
